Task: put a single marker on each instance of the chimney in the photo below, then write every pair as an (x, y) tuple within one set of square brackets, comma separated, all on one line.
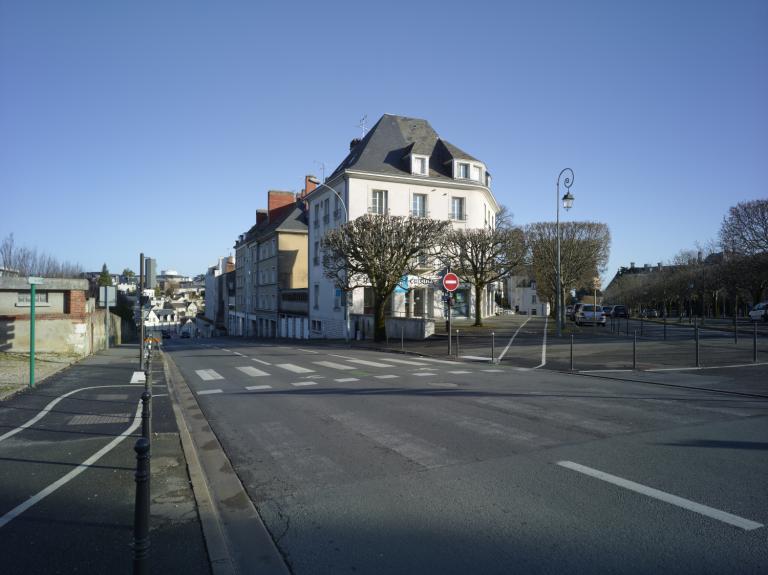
[(698, 256), (354, 143), (631, 265), (277, 200), (310, 183), (261, 217)]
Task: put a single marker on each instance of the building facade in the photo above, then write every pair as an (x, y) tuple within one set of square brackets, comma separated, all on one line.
[(271, 272), (402, 168)]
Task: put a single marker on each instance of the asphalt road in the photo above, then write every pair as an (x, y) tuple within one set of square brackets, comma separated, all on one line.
[(365, 462)]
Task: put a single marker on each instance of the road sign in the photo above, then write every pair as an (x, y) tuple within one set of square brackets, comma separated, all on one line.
[(34, 280), (107, 295), (450, 281)]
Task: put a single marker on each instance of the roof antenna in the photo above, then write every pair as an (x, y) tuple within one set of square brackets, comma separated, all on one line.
[(322, 167), (362, 123)]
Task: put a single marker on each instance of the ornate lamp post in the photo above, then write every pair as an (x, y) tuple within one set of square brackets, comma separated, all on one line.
[(567, 200)]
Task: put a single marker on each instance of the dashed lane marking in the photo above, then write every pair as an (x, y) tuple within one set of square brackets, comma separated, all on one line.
[(346, 379), (303, 383), (209, 391), (385, 376), (258, 387), (369, 363)]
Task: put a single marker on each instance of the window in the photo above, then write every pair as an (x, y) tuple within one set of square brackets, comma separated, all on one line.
[(378, 202), (316, 298), (475, 173), (457, 209), (326, 210), (419, 206), (316, 260), (463, 170), (420, 165), (533, 299), (336, 210), (25, 297)]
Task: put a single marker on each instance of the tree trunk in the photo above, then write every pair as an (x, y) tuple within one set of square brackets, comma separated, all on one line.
[(379, 322), (479, 304)]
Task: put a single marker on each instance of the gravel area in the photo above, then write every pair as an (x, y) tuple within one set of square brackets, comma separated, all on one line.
[(14, 369)]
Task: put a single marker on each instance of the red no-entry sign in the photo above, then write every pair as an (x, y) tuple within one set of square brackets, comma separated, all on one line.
[(450, 281)]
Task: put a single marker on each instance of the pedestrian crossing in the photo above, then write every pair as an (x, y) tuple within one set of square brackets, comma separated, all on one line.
[(398, 368)]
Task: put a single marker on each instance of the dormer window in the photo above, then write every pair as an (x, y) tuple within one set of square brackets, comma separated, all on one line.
[(420, 165), (462, 171)]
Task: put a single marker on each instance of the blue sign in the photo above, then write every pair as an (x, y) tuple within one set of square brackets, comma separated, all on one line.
[(402, 287)]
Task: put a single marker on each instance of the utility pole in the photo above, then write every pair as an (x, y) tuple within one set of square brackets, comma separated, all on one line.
[(139, 295)]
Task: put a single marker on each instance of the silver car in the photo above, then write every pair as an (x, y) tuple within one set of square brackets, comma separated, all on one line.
[(759, 312), (590, 314)]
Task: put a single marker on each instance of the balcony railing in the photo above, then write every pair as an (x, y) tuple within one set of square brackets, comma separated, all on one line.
[(458, 217), (378, 210), (419, 214)]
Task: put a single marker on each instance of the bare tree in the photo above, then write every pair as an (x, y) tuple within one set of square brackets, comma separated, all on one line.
[(584, 251), (483, 256), (28, 262), (376, 251), (745, 229)]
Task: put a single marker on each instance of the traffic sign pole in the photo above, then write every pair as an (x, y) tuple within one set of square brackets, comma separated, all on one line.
[(32, 336)]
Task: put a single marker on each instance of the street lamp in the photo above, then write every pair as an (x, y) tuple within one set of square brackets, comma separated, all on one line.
[(346, 220), (567, 200)]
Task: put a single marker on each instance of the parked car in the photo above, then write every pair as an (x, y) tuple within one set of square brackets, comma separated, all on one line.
[(619, 311), (759, 312), (574, 311), (649, 312), (185, 335), (607, 310), (590, 313)]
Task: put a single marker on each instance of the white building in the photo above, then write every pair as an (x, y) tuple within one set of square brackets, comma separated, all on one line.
[(523, 298), (402, 168)]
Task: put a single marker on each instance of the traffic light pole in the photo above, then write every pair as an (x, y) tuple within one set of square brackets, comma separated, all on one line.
[(139, 294)]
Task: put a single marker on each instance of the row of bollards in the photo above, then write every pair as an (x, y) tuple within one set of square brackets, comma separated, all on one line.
[(143, 449), (697, 347)]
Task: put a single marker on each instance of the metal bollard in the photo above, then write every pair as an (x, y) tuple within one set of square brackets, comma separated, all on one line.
[(493, 347), (146, 416), (754, 344), (696, 334), (141, 542), (571, 352), (634, 351), (457, 344)]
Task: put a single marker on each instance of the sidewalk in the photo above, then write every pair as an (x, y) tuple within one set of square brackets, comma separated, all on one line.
[(85, 524)]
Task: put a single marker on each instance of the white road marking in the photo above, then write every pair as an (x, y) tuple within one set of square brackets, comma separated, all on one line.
[(138, 377), (503, 353), (603, 370), (423, 374), (723, 516), (47, 409), (222, 349), (439, 360), (370, 363), (209, 391), (208, 374), (294, 368), (459, 371), (252, 371), (262, 362), (405, 361), (492, 370), (544, 345), (256, 387), (385, 376), (307, 350), (475, 358), (19, 509), (303, 383), (707, 367), (346, 379), (333, 365)]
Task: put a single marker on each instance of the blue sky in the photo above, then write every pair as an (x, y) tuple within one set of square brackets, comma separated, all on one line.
[(160, 126)]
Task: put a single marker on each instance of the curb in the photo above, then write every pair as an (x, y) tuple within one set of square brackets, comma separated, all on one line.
[(236, 538)]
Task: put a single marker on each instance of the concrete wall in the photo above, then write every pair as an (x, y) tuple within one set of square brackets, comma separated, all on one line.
[(60, 335)]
